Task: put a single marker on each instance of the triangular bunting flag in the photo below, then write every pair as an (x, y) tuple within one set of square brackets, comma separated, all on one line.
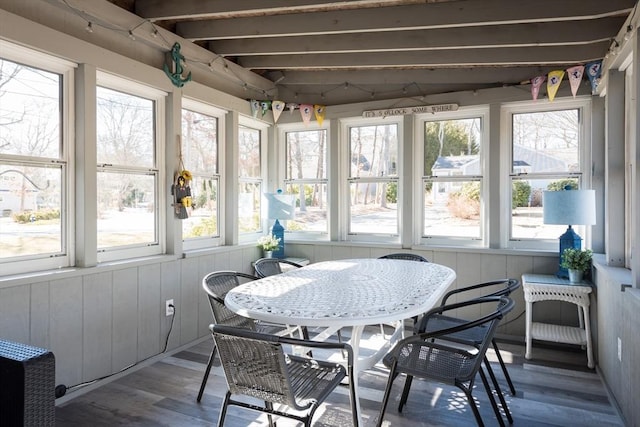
[(255, 107), (277, 107), (536, 82), (305, 112), (593, 70), (264, 106), (318, 111), (575, 78), (553, 83)]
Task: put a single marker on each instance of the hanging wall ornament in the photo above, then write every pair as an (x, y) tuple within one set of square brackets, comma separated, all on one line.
[(264, 106), (277, 107), (318, 111), (536, 83), (305, 112), (174, 72), (593, 70), (255, 107), (575, 78), (553, 83)]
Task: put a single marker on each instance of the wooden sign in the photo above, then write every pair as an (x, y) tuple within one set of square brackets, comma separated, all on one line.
[(410, 110)]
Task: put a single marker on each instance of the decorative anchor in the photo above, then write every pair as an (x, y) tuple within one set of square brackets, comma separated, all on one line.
[(176, 76)]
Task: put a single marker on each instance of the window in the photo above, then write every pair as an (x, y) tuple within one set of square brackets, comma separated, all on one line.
[(34, 150), (546, 154), (201, 132), (127, 172), (306, 177), (373, 153), (453, 184), (249, 181)]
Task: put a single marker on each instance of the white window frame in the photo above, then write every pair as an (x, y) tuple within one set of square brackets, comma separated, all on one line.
[(110, 81), (481, 112), (345, 180), (283, 130), (583, 104), (66, 69), (219, 114), (262, 127)]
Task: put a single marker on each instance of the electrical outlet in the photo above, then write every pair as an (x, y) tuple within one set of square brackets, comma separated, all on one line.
[(619, 349), (169, 307)]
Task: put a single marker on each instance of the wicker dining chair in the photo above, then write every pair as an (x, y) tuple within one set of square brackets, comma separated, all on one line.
[(256, 365), (405, 256), (474, 336), (216, 285), (430, 355), (270, 266)]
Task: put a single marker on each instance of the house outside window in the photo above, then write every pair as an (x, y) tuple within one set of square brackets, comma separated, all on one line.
[(35, 148), (452, 190), (546, 148)]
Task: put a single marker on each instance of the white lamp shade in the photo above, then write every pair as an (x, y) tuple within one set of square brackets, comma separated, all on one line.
[(569, 207), (280, 206)]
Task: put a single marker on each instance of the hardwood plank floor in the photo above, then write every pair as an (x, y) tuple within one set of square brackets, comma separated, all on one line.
[(555, 389)]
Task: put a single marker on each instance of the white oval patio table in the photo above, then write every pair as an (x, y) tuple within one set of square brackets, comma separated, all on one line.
[(346, 293)]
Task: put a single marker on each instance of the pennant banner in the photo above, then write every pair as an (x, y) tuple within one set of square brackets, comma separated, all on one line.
[(305, 112), (292, 106), (593, 70), (536, 83), (264, 106), (277, 107), (575, 77), (318, 111), (555, 77)]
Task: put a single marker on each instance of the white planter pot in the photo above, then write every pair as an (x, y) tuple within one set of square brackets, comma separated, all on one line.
[(267, 254), (575, 276)]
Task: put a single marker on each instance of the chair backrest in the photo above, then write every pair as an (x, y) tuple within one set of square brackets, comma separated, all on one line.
[(500, 306), (254, 365), (406, 256), (500, 287), (271, 266), (216, 285)]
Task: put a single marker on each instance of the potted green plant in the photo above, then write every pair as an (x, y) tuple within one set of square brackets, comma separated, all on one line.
[(268, 244), (576, 261)]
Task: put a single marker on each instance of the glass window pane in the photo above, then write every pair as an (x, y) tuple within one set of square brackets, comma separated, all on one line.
[(311, 209), (452, 209), (452, 147), (249, 197), (249, 149), (203, 218), (30, 111), (526, 211), (373, 208), (200, 156), (125, 127), (373, 150), (30, 210), (306, 154), (546, 142), (126, 209)]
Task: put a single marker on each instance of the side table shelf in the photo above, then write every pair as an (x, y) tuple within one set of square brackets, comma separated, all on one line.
[(542, 287)]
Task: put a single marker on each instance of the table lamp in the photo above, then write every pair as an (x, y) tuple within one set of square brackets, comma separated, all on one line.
[(280, 207), (569, 207)]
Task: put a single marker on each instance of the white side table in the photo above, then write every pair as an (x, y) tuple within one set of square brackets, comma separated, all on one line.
[(546, 287)]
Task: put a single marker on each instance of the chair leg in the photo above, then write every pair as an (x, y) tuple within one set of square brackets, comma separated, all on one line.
[(504, 368), (472, 403), (206, 372), (498, 390), (405, 392), (223, 409), (387, 392), (492, 398), (269, 406)]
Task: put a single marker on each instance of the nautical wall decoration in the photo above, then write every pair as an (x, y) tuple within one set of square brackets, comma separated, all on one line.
[(175, 70)]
